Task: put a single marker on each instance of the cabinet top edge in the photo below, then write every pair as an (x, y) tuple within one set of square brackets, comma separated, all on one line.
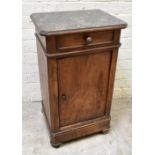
[(53, 23)]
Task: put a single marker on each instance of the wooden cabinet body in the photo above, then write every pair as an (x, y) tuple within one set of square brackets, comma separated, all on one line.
[(77, 66)]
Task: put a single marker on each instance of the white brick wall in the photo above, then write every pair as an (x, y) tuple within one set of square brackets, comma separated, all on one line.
[(119, 8)]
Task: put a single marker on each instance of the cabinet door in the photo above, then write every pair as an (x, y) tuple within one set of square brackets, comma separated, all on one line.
[(83, 82)]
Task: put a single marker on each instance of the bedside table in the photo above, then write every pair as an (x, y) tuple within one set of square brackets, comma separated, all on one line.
[(77, 55)]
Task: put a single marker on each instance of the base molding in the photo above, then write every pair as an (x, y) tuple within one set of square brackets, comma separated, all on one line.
[(80, 131)]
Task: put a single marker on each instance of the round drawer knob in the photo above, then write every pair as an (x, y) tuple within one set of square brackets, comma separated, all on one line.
[(89, 40)]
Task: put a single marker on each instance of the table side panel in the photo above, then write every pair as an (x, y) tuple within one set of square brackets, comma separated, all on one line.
[(42, 61)]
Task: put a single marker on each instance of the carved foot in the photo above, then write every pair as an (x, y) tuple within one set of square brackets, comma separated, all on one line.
[(105, 131), (56, 145)]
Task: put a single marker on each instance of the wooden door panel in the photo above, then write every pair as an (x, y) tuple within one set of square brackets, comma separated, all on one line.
[(83, 82)]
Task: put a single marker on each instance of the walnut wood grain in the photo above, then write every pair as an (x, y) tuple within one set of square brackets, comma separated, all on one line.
[(43, 74), (77, 64), (73, 40), (83, 80)]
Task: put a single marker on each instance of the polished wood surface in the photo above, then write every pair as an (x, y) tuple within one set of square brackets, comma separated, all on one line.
[(84, 39), (83, 84), (43, 74), (77, 71)]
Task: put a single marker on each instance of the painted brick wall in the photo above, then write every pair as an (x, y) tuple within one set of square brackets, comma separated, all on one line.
[(119, 8)]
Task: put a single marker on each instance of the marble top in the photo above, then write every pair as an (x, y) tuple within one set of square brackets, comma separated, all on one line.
[(49, 23)]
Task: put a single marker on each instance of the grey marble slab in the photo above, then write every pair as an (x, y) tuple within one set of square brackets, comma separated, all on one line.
[(49, 23)]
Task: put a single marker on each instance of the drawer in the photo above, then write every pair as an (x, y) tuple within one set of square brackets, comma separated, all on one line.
[(86, 40)]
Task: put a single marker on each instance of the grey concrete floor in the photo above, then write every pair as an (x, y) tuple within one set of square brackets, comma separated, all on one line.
[(116, 142)]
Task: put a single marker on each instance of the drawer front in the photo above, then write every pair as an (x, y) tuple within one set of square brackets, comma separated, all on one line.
[(83, 82), (77, 40)]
